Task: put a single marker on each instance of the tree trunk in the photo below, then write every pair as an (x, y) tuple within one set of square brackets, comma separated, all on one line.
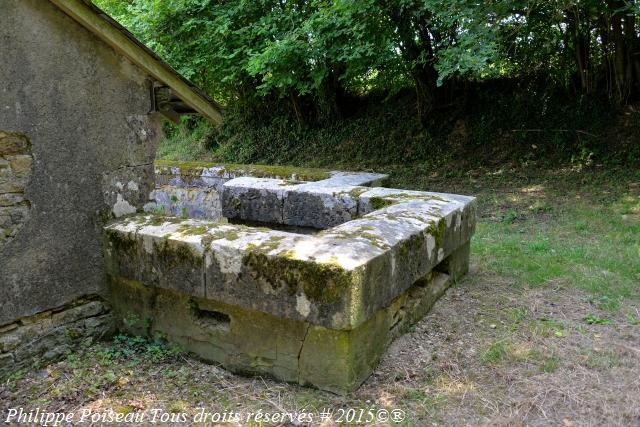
[(577, 23), (604, 29), (418, 53), (425, 84), (632, 42), (620, 54)]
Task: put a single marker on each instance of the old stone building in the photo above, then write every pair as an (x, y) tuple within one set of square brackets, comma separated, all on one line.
[(80, 107)]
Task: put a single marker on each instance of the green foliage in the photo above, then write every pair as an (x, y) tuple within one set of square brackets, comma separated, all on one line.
[(502, 122), (187, 141), (318, 50), (310, 54), (299, 77), (592, 319), (131, 347)]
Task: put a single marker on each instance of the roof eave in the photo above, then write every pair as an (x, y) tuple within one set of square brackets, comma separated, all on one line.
[(124, 42)]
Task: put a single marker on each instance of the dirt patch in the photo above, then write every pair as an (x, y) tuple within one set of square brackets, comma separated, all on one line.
[(517, 357)]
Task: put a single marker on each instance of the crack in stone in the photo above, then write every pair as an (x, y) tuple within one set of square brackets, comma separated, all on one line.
[(304, 338)]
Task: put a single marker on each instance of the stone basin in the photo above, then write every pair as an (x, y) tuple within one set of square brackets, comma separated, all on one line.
[(311, 308)]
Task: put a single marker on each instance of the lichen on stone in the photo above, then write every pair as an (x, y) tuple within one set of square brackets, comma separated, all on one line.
[(362, 232), (438, 229), (121, 241), (193, 230)]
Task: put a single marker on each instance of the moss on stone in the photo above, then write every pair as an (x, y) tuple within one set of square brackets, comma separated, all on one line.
[(227, 234), (157, 220), (289, 254), (105, 215), (379, 202), (287, 182), (193, 230), (362, 233), (422, 197), (411, 247), (356, 192), (321, 282), (258, 171), (273, 242), (232, 235), (122, 242), (438, 229), (172, 256)]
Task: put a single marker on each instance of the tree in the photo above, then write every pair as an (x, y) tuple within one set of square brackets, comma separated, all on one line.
[(309, 57)]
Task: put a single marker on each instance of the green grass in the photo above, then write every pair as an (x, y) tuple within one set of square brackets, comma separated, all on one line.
[(183, 144), (582, 243), (497, 351), (549, 364)]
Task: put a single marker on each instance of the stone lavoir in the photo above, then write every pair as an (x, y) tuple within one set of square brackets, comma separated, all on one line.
[(307, 282)]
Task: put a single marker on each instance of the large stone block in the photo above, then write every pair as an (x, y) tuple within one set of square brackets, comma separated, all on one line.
[(20, 165), (9, 199), (151, 254), (249, 341), (187, 202), (319, 207), (254, 199)]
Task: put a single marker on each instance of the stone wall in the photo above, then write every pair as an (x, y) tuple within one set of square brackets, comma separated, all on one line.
[(195, 189), (85, 110), (35, 340), (15, 171)]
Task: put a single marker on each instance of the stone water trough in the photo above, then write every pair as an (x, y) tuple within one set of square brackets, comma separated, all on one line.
[(305, 281)]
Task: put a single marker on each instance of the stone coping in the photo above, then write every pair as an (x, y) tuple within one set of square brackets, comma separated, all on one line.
[(203, 173), (336, 278)]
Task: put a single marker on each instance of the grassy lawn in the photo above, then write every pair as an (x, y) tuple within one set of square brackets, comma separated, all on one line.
[(545, 330)]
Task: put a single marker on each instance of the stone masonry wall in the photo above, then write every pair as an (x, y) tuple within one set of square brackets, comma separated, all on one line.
[(85, 110), (15, 171), (47, 336)]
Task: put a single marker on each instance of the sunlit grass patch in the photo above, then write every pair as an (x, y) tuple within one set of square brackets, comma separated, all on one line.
[(584, 245)]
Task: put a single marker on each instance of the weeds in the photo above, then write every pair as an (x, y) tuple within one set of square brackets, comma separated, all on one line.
[(498, 351), (592, 319), (128, 347)]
